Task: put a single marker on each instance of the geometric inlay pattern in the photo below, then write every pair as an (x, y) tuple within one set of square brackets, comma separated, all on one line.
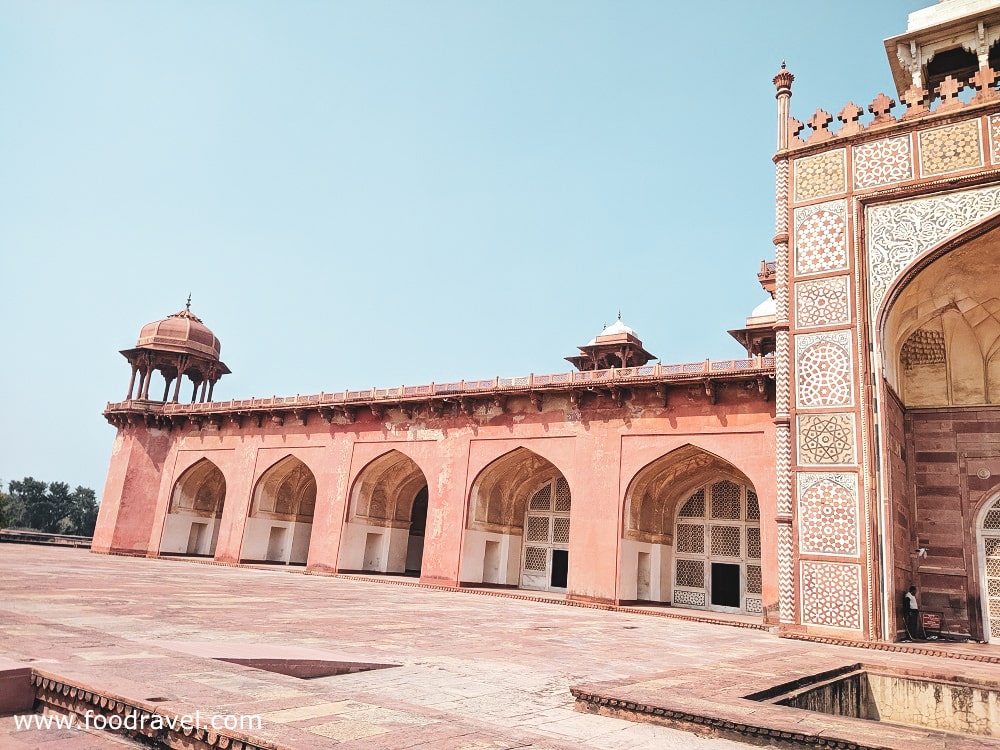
[(898, 233), (824, 371), (754, 606), (995, 138), (786, 590), (821, 302), (828, 515), (820, 175), (820, 238), (826, 439), (831, 594), (882, 162), (950, 148), (783, 468), (693, 598)]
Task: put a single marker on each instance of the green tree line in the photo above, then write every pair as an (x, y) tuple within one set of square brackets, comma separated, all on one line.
[(53, 508)]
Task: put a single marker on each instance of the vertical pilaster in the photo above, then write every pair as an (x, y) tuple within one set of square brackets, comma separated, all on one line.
[(783, 438)]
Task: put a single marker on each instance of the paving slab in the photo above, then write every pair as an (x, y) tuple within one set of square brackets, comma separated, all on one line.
[(475, 671)]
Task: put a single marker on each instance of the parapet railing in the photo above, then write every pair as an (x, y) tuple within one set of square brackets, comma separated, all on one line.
[(24, 536), (950, 96), (657, 372)]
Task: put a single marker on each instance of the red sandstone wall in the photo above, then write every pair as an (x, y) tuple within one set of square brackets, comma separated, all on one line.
[(895, 451), (949, 447), (129, 503), (598, 448)]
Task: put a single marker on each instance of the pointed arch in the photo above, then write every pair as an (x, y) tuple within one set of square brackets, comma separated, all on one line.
[(940, 329), (937, 347), (656, 491), (281, 514), (386, 516), (691, 534), (193, 517), (500, 492), (518, 524)]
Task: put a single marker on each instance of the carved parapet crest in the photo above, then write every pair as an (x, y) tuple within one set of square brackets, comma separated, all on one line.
[(849, 115), (915, 99), (820, 124), (948, 91)]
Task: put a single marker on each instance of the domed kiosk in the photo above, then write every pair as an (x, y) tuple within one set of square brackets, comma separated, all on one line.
[(176, 346)]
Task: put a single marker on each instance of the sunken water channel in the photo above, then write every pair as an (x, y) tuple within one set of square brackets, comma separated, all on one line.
[(947, 703)]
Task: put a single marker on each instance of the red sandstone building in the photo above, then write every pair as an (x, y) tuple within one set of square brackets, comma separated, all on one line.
[(798, 484)]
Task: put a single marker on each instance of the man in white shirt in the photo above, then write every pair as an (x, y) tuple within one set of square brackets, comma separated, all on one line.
[(911, 611)]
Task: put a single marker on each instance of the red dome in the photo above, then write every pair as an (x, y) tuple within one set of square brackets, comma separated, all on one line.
[(180, 332)]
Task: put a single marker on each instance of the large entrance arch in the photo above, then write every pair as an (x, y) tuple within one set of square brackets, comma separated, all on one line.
[(938, 337), (281, 514), (691, 535), (519, 525), (192, 523), (387, 517)]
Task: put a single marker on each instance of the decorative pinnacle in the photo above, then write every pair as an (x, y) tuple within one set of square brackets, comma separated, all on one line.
[(188, 305), (783, 81), (619, 315)]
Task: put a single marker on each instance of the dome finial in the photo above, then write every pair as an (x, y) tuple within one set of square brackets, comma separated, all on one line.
[(619, 314), (188, 305)]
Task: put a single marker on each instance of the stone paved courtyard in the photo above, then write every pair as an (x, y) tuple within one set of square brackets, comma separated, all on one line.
[(475, 671)]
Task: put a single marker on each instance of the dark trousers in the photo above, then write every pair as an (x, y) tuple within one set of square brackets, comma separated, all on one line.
[(912, 622)]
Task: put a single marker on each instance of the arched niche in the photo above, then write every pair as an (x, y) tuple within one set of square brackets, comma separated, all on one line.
[(690, 515), (387, 517), (195, 513), (518, 524), (941, 337), (281, 514)]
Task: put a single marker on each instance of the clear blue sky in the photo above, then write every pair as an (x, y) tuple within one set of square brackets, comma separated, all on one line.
[(374, 193)]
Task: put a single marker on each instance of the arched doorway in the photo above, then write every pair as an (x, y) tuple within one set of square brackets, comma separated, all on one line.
[(192, 523), (988, 533), (691, 535), (281, 514), (519, 525), (939, 343), (717, 537), (387, 517)]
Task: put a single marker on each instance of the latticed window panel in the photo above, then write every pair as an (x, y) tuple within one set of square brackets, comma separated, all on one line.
[(560, 530), (538, 529), (993, 568), (753, 506), (753, 579), (691, 598), (726, 541), (753, 542), (726, 501), (992, 545), (695, 506), (993, 586), (562, 496), (541, 500), (690, 538), (536, 558), (754, 606), (691, 573), (992, 520)]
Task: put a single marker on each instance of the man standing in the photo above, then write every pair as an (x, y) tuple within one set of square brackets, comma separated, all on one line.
[(911, 611)]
